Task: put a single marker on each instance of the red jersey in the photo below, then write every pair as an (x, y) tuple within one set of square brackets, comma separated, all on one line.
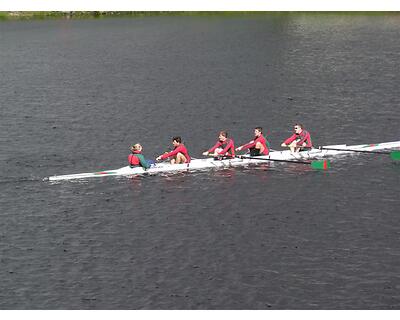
[(253, 143), (303, 136), (181, 148), (228, 148), (133, 159)]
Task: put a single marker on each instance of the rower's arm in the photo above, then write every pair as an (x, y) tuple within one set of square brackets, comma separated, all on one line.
[(143, 161), (249, 145), (290, 139), (227, 148), (304, 139), (215, 147), (169, 154)]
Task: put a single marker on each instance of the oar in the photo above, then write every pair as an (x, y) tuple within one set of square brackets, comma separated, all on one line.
[(315, 164), (395, 154)]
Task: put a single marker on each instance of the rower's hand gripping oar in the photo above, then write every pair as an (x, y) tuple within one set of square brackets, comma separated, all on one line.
[(394, 155), (315, 164)]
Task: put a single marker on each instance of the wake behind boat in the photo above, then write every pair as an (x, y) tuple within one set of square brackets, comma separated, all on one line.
[(209, 163)]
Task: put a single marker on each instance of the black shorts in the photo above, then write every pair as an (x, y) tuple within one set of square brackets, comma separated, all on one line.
[(254, 152), (223, 158)]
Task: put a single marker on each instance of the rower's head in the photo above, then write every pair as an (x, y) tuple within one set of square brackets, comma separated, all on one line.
[(176, 141), (258, 131), (137, 147), (223, 135), (298, 128)]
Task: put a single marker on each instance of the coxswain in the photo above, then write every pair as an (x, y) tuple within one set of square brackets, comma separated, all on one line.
[(258, 146), (224, 148), (136, 158), (178, 155), (299, 141)]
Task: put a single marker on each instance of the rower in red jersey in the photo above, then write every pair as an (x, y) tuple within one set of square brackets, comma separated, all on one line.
[(299, 141), (224, 148), (178, 155), (258, 146)]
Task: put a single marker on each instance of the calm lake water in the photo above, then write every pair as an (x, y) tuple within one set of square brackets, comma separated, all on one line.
[(75, 94)]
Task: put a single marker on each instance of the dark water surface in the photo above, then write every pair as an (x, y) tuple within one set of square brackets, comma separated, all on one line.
[(75, 94)]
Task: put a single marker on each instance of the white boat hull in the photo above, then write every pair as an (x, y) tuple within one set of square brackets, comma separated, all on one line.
[(198, 164)]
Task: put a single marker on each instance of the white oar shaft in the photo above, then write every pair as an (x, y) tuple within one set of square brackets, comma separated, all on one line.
[(353, 150)]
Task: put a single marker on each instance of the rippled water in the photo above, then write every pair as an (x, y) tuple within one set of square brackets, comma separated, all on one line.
[(75, 94)]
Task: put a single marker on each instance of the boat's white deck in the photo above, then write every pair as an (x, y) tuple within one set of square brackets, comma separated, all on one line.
[(211, 163)]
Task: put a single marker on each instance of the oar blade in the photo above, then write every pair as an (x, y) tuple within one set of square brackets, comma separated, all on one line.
[(321, 164), (395, 155)]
